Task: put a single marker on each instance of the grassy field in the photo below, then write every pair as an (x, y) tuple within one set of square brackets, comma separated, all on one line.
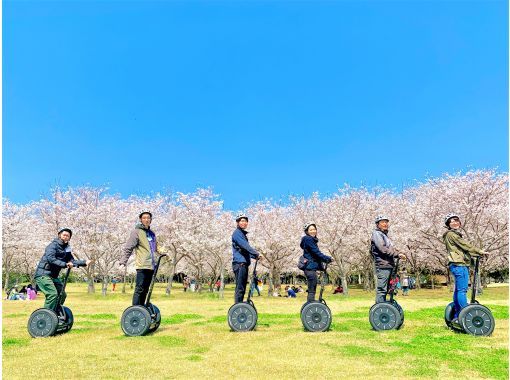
[(194, 340)]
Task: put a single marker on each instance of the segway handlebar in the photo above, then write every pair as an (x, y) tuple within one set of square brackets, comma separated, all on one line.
[(253, 278), (475, 274), (68, 271), (156, 267)]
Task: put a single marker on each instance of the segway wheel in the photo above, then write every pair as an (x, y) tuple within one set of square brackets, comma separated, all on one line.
[(135, 321), (155, 316), (477, 320), (42, 323), (242, 317), (316, 317), (449, 313), (302, 307), (65, 319), (384, 316), (401, 311)]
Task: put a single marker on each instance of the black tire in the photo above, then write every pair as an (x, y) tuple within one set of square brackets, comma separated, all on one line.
[(242, 317), (316, 317), (302, 307), (135, 321), (66, 319), (42, 323), (477, 320), (384, 316), (449, 312), (156, 316), (401, 311)]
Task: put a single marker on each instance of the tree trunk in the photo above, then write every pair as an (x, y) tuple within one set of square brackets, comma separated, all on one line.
[(91, 288), (168, 289), (6, 283), (104, 287), (222, 280), (124, 283), (343, 279), (270, 287)]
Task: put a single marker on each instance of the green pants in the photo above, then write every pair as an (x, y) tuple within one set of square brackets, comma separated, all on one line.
[(51, 287)]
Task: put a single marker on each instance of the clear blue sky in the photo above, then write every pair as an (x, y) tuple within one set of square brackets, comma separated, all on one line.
[(256, 99)]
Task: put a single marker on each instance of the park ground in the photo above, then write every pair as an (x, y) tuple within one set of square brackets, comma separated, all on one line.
[(194, 340)]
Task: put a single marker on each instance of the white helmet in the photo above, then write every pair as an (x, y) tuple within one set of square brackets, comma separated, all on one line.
[(448, 217), (307, 225), (241, 216), (144, 211), (381, 217)]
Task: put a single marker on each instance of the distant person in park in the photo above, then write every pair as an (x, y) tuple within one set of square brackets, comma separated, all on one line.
[(384, 255), (255, 286), (114, 283), (142, 240), (56, 257), (405, 285), (242, 253), (290, 292), (459, 260), (338, 290), (185, 283), (314, 258), (31, 294)]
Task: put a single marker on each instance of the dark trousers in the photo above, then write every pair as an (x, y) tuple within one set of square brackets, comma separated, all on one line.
[(383, 276), (241, 273), (143, 282), (311, 277)]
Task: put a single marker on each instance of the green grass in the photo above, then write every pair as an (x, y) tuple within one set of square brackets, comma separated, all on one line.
[(194, 340)]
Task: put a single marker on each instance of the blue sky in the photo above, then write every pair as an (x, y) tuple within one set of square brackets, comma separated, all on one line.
[(256, 99)]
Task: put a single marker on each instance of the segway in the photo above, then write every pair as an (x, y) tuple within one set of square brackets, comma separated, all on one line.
[(316, 315), (46, 322), (474, 319), (387, 315), (139, 320), (243, 316)]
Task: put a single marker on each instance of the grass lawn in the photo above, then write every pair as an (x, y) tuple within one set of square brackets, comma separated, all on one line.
[(194, 340)]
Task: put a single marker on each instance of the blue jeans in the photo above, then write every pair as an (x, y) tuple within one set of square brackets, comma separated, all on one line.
[(461, 274)]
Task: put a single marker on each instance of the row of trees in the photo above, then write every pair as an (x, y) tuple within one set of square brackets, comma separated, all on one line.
[(195, 230)]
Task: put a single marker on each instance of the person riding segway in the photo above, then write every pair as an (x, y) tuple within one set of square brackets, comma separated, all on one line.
[(145, 317), (385, 315), (315, 315), (474, 319), (242, 316), (54, 317)]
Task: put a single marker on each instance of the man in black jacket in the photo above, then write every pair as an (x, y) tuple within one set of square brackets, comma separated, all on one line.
[(56, 256)]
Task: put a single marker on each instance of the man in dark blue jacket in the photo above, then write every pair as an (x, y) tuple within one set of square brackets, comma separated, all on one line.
[(56, 256), (242, 253), (314, 258)]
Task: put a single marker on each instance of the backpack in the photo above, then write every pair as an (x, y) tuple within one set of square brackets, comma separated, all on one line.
[(302, 262)]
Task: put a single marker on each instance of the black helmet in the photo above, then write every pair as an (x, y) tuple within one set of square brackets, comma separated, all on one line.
[(65, 229)]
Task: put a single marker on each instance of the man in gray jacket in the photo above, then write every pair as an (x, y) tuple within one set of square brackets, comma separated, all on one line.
[(384, 255), (56, 256)]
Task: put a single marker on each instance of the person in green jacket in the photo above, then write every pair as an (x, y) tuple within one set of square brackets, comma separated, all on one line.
[(459, 260), (142, 241)]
